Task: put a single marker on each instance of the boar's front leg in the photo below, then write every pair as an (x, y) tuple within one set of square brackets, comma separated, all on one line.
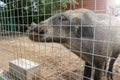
[(114, 56), (98, 71), (87, 71)]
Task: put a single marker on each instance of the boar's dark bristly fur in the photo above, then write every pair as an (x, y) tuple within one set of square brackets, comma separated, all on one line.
[(91, 36)]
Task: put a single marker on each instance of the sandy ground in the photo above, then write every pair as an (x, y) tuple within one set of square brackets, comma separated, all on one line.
[(55, 61)]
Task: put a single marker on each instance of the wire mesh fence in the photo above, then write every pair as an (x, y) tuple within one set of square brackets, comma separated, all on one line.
[(59, 40)]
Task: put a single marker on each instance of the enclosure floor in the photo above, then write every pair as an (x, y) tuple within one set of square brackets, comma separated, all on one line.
[(55, 61)]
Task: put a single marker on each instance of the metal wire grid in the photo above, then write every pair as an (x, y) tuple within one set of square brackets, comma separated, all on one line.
[(14, 47)]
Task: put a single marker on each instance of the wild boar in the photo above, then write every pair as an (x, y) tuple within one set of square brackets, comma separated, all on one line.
[(91, 36)]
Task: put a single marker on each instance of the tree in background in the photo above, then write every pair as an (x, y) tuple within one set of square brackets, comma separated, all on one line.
[(25, 12)]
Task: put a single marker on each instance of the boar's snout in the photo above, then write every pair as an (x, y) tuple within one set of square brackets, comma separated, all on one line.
[(37, 31)]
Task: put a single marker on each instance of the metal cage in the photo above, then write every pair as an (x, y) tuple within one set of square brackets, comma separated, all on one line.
[(93, 40)]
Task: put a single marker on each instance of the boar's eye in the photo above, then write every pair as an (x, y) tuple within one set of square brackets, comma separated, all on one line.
[(63, 17)]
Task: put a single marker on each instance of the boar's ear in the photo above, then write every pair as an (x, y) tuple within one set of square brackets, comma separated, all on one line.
[(75, 19), (82, 18), (83, 22), (63, 17), (88, 18)]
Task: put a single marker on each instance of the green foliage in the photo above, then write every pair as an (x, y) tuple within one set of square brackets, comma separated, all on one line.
[(36, 10), (28, 11)]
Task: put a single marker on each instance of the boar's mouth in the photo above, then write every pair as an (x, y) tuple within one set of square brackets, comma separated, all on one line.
[(43, 38), (34, 37)]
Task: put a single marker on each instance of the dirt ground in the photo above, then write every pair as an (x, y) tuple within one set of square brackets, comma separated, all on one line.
[(55, 61)]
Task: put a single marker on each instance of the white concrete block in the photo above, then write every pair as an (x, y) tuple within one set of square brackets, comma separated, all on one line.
[(1, 71), (23, 69)]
